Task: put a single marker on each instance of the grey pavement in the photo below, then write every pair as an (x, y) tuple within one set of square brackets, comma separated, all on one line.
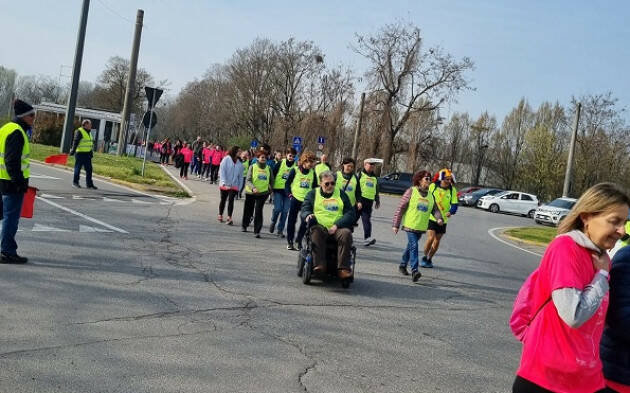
[(180, 303)]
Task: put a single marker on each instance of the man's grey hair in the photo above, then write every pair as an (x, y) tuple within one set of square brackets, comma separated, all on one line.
[(326, 174), (86, 121)]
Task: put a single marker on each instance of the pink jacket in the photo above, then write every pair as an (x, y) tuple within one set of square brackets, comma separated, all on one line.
[(217, 156), (188, 154)]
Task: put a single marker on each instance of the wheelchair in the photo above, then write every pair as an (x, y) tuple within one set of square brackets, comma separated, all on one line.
[(305, 260)]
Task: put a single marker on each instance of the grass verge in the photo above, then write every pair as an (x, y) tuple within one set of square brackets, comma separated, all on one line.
[(537, 235), (122, 170)]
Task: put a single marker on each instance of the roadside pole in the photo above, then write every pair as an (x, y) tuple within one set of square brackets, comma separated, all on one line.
[(146, 140), (358, 129), (569, 172)]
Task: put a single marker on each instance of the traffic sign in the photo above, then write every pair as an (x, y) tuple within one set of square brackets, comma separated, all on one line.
[(153, 95), (320, 146), (297, 140), (148, 117), (297, 147), (321, 140), (254, 144)]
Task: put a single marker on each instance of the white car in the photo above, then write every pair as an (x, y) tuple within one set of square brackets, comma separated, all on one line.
[(510, 202), (553, 212)]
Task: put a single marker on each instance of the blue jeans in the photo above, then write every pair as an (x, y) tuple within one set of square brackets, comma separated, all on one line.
[(294, 212), (83, 160), (281, 204), (11, 209), (411, 252)]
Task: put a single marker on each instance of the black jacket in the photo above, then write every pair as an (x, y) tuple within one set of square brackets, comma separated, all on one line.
[(346, 221), (13, 162), (75, 143), (615, 343)]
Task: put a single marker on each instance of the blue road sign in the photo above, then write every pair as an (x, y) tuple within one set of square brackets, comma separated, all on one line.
[(254, 143), (298, 147), (297, 140), (321, 140)]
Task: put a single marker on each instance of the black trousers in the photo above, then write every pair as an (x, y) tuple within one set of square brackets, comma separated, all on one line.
[(214, 173), (183, 172), (254, 205), (522, 385), (227, 195), (205, 170), (366, 217), (294, 211)]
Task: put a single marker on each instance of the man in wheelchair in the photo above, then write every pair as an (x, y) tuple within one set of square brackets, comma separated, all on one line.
[(329, 215)]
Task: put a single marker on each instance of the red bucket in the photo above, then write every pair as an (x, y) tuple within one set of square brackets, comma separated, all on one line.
[(29, 202)]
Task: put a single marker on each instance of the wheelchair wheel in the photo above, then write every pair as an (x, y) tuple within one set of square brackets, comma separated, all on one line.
[(300, 263), (345, 283), (307, 270)]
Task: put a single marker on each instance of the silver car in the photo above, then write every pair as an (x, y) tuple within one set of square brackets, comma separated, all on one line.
[(552, 213)]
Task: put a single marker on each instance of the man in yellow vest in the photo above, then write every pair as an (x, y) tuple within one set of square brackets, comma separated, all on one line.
[(334, 215), (82, 149), (258, 186), (322, 166), (14, 174), (281, 201), (369, 198)]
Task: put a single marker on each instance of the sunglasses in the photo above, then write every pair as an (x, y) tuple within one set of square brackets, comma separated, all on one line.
[(329, 183)]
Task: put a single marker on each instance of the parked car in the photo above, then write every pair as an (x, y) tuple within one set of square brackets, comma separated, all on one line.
[(467, 190), (510, 202), (553, 212), (471, 198), (395, 183)]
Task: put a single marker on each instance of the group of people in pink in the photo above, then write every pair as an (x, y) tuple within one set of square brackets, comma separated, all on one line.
[(202, 158)]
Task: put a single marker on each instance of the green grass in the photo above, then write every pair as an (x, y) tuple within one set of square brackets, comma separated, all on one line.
[(124, 170), (537, 235)]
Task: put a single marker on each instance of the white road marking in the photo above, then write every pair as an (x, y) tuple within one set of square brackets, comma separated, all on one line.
[(139, 202), (106, 199), (50, 196), (80, 197), (76, 213), (44, 228), (36, 176), (87, 228), (495, 237)]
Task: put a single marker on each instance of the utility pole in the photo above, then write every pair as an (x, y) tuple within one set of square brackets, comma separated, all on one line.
[(357, 130), (68, 124), (569, 172), (131, 82)]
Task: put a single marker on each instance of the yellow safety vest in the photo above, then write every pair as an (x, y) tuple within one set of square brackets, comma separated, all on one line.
[(328, 210), (368, 186), (85, 144), (444, 198), (626, 242), (283, 174), (5, 131), (418, 211), (319, 168), (260, 179), (302, 184), (245, 168), (350, 189)]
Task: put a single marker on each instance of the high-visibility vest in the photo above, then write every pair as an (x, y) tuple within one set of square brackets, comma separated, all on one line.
[(444, 198), (245, 168), (260, 179), (627, 241), (283, 174), (85, 144), (418, 211), (348, 186), (319, 168), (368, 186), (302, 184), (328, 210), (5, 131)]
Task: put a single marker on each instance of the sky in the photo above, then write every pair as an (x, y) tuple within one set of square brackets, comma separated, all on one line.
[(543, 50)]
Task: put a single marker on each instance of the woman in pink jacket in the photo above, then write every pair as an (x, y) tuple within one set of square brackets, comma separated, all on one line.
[(188, 155), (217, 157), (560, 311)]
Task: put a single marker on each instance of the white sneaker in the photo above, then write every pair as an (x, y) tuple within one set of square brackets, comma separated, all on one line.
[(369, 241)]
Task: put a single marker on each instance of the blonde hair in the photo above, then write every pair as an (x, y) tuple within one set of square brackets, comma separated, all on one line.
[(595, 200), (307, 156)]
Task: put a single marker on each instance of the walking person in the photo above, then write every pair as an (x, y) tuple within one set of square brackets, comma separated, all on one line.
[(445, 195), (322, 166), (414, 210), (246, 163), (281, 201), (187, 155), (615, 345), (206, 156), (14, 175), (217, 157), (369, 199), (347, 181), (82, 149), (166, 146), (300, 181), (560, 310), (258, 187), (231, 170), (195, 165)]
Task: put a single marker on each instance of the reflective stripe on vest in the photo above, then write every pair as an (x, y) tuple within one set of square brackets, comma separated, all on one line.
[(302, 184), (328, 210), (85, 144), (368, 186), (444, 198), (5, 131), (418, 211), (283, 174), (350, 189), (260, 178)]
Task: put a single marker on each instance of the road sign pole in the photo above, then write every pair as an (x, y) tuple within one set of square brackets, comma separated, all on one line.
[(146, 141)]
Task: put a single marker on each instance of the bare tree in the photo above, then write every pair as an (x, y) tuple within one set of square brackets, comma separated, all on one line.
[(413, 79)]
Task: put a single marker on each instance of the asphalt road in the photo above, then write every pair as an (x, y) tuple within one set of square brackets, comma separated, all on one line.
[(127, 292)]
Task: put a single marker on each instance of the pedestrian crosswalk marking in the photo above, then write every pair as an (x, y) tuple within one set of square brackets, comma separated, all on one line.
[(141, 202), (106, 199), (52, 196), (80, 197), (87, 228), (44, 228)]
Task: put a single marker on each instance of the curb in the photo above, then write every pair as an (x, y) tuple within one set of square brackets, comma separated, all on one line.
[(182, 185), (531, 248)]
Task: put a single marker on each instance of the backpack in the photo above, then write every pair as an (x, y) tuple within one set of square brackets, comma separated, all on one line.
[(524, 311)]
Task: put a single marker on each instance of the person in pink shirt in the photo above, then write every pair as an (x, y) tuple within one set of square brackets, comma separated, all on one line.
[(560, 311), (207, 156), (217, 156), (188, 155)]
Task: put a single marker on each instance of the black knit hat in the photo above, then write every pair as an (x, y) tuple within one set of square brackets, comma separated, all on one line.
[(22, 109)]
